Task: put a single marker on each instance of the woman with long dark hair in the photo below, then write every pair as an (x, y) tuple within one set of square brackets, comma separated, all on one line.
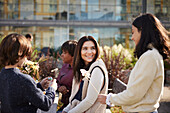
[(146, 81), (91, 82)]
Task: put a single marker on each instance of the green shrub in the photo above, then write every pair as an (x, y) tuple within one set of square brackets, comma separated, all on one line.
[(119, 61)]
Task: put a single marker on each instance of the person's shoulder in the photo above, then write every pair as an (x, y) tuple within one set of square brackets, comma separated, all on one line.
[(151, 56), (25, 77), (152, 53), (98, 62), (65, 65)]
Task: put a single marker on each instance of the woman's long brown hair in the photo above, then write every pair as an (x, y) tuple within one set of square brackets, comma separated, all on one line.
[(78, 62)]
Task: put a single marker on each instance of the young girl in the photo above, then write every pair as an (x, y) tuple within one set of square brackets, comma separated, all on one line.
[(85, 90), (145, 85), (18, 92)]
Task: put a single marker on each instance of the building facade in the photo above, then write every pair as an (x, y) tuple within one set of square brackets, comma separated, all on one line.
[(52, 22)]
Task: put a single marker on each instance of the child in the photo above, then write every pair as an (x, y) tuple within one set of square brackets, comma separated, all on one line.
[(18, 92)]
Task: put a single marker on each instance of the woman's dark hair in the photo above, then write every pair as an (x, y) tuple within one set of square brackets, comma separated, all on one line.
[(13, 47), (152, 32), (78, 62), (69, 46)]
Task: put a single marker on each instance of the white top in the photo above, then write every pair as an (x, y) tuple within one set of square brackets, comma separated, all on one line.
[(96, 80), (145, 86)]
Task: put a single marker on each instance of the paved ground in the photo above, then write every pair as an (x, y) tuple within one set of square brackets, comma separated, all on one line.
[(165, 101)]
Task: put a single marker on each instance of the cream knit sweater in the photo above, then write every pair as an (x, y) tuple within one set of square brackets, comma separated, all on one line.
[(91, 96), (145, 85)]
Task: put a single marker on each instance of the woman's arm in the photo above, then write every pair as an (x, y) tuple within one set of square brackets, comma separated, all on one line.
[(94, 87), (67, 108), (141, 78)]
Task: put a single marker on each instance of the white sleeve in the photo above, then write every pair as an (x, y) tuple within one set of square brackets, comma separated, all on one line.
[(108, 100), (94, 87), (140, 81), (67, 108)]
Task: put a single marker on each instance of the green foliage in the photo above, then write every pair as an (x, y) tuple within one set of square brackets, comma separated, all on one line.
[(46, 63), (31, 68), (49, 64), (116, 109), (119, 61), (34, 57)]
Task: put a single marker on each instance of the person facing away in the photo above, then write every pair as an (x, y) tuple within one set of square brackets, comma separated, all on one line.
[(29, 37), (85, 89), (18, 92), (145, 86), (65, 77)]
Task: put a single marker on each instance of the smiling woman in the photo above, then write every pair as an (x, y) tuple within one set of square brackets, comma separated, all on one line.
[(85, 90), (88, 52)]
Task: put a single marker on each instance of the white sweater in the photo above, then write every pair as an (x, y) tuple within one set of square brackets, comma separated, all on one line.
[(145, 85), (91, 96)]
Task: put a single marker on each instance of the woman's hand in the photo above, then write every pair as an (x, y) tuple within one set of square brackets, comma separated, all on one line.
[(102, 98), (63, 90)]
